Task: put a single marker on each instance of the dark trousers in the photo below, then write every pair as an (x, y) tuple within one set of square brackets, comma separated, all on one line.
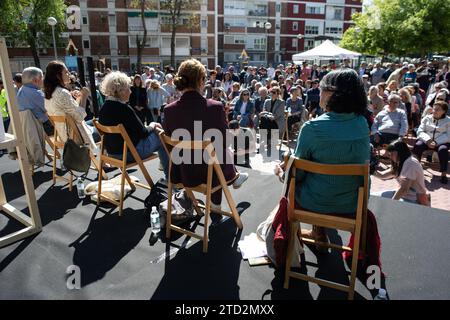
[(151, 115), (48, 128), (293, 120), (385, 138), (441, 149), (6, 123), (269, 125)]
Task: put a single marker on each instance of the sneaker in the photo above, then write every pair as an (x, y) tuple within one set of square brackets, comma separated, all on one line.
[(243, 176)]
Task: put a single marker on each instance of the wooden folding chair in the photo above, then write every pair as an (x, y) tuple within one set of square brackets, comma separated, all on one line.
[(356, 225), (207, 189), (286, 129), (122, 164), (58, 145)]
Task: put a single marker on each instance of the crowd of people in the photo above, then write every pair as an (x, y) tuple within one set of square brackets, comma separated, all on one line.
[(397, 100)]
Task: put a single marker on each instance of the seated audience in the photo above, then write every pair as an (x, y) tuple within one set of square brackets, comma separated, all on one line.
[(59, 101), (116, 110), (337, 137), (272, 116), (244, 109), (390, 123), (138, 97), (298, 113), (376, 103), (434, 134), (409, 174), (193, 107), (31, 97)]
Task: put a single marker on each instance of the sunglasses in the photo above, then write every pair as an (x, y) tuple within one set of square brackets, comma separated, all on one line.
[(245, 94)]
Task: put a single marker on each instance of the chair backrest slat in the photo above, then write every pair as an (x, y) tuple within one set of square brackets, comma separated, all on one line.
[(332, 169)]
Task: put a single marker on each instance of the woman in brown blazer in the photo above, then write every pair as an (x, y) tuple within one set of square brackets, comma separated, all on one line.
[(209, 114)]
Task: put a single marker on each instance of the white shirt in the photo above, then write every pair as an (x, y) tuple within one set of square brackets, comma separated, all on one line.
[(412, 170), (243, 107)]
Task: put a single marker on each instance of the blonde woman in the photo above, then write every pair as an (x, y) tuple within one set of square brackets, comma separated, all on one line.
[(392, 87), (156, 97), (376, 103), (405, 97), (116, 110)]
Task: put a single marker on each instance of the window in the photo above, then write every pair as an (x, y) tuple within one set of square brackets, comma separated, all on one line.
[(151, 42), (294, 42), (296, 8), (333, 30), (311, 30), (338, 14), (86, 44), (204, 44), (113, 42), (309, 44), (295, 26), (259, 44), (278, 7), (354, 10), (112, 20), (236, 8), (204, 23), (314, 9), (85, 20)]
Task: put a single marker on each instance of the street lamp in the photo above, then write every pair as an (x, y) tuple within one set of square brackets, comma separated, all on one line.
[(52, 22), (299, 37), (267, 27)]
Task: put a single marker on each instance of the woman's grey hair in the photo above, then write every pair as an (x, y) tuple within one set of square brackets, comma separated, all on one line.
[(393, 96), (263, 89), (31, 73), (115, 82)]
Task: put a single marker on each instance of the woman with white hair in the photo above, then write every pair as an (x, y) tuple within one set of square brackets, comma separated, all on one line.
[(116, 110)]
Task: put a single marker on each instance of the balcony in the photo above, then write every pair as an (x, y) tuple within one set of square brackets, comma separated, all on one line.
[(258, 13)]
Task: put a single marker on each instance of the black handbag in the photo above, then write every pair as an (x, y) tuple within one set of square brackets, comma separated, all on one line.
[(76, 157)]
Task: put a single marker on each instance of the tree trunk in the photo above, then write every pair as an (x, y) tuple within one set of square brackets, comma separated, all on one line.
[(141, 45), (31, 39), (172, 46)]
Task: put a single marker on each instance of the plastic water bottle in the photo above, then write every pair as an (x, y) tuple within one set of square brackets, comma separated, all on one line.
[(80, 188), (381, 294), (155, 222)]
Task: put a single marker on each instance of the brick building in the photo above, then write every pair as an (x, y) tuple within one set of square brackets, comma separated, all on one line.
[(268, 30)]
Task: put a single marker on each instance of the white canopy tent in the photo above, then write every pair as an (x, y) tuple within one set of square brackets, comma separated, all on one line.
[(325, 51)]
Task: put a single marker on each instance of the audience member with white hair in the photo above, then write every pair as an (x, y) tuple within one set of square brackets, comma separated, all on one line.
[(390, 123), (116, 110), (31, 97)]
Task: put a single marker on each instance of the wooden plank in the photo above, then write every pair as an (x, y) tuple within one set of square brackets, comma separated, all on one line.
[(324, 244), (186, 232), (322, 220), (22, 156), (320, 282), (17, 214), (18, 235)]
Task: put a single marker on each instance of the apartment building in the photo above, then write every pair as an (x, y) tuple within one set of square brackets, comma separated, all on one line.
[(267, 30)]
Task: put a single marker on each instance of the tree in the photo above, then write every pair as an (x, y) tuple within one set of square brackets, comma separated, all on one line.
[(143, 5), (400, 27), (175, 8), (25, 21)]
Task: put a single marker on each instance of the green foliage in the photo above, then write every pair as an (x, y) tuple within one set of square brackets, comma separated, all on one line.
[(23, 20), (401, 27)]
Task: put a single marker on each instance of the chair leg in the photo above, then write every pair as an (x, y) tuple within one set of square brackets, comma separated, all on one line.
[(289, 254), (54, 169), (122, 188), (232, 205), (99, 186), (70, 181), (169, 214), (206, 228), (354, 264)]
